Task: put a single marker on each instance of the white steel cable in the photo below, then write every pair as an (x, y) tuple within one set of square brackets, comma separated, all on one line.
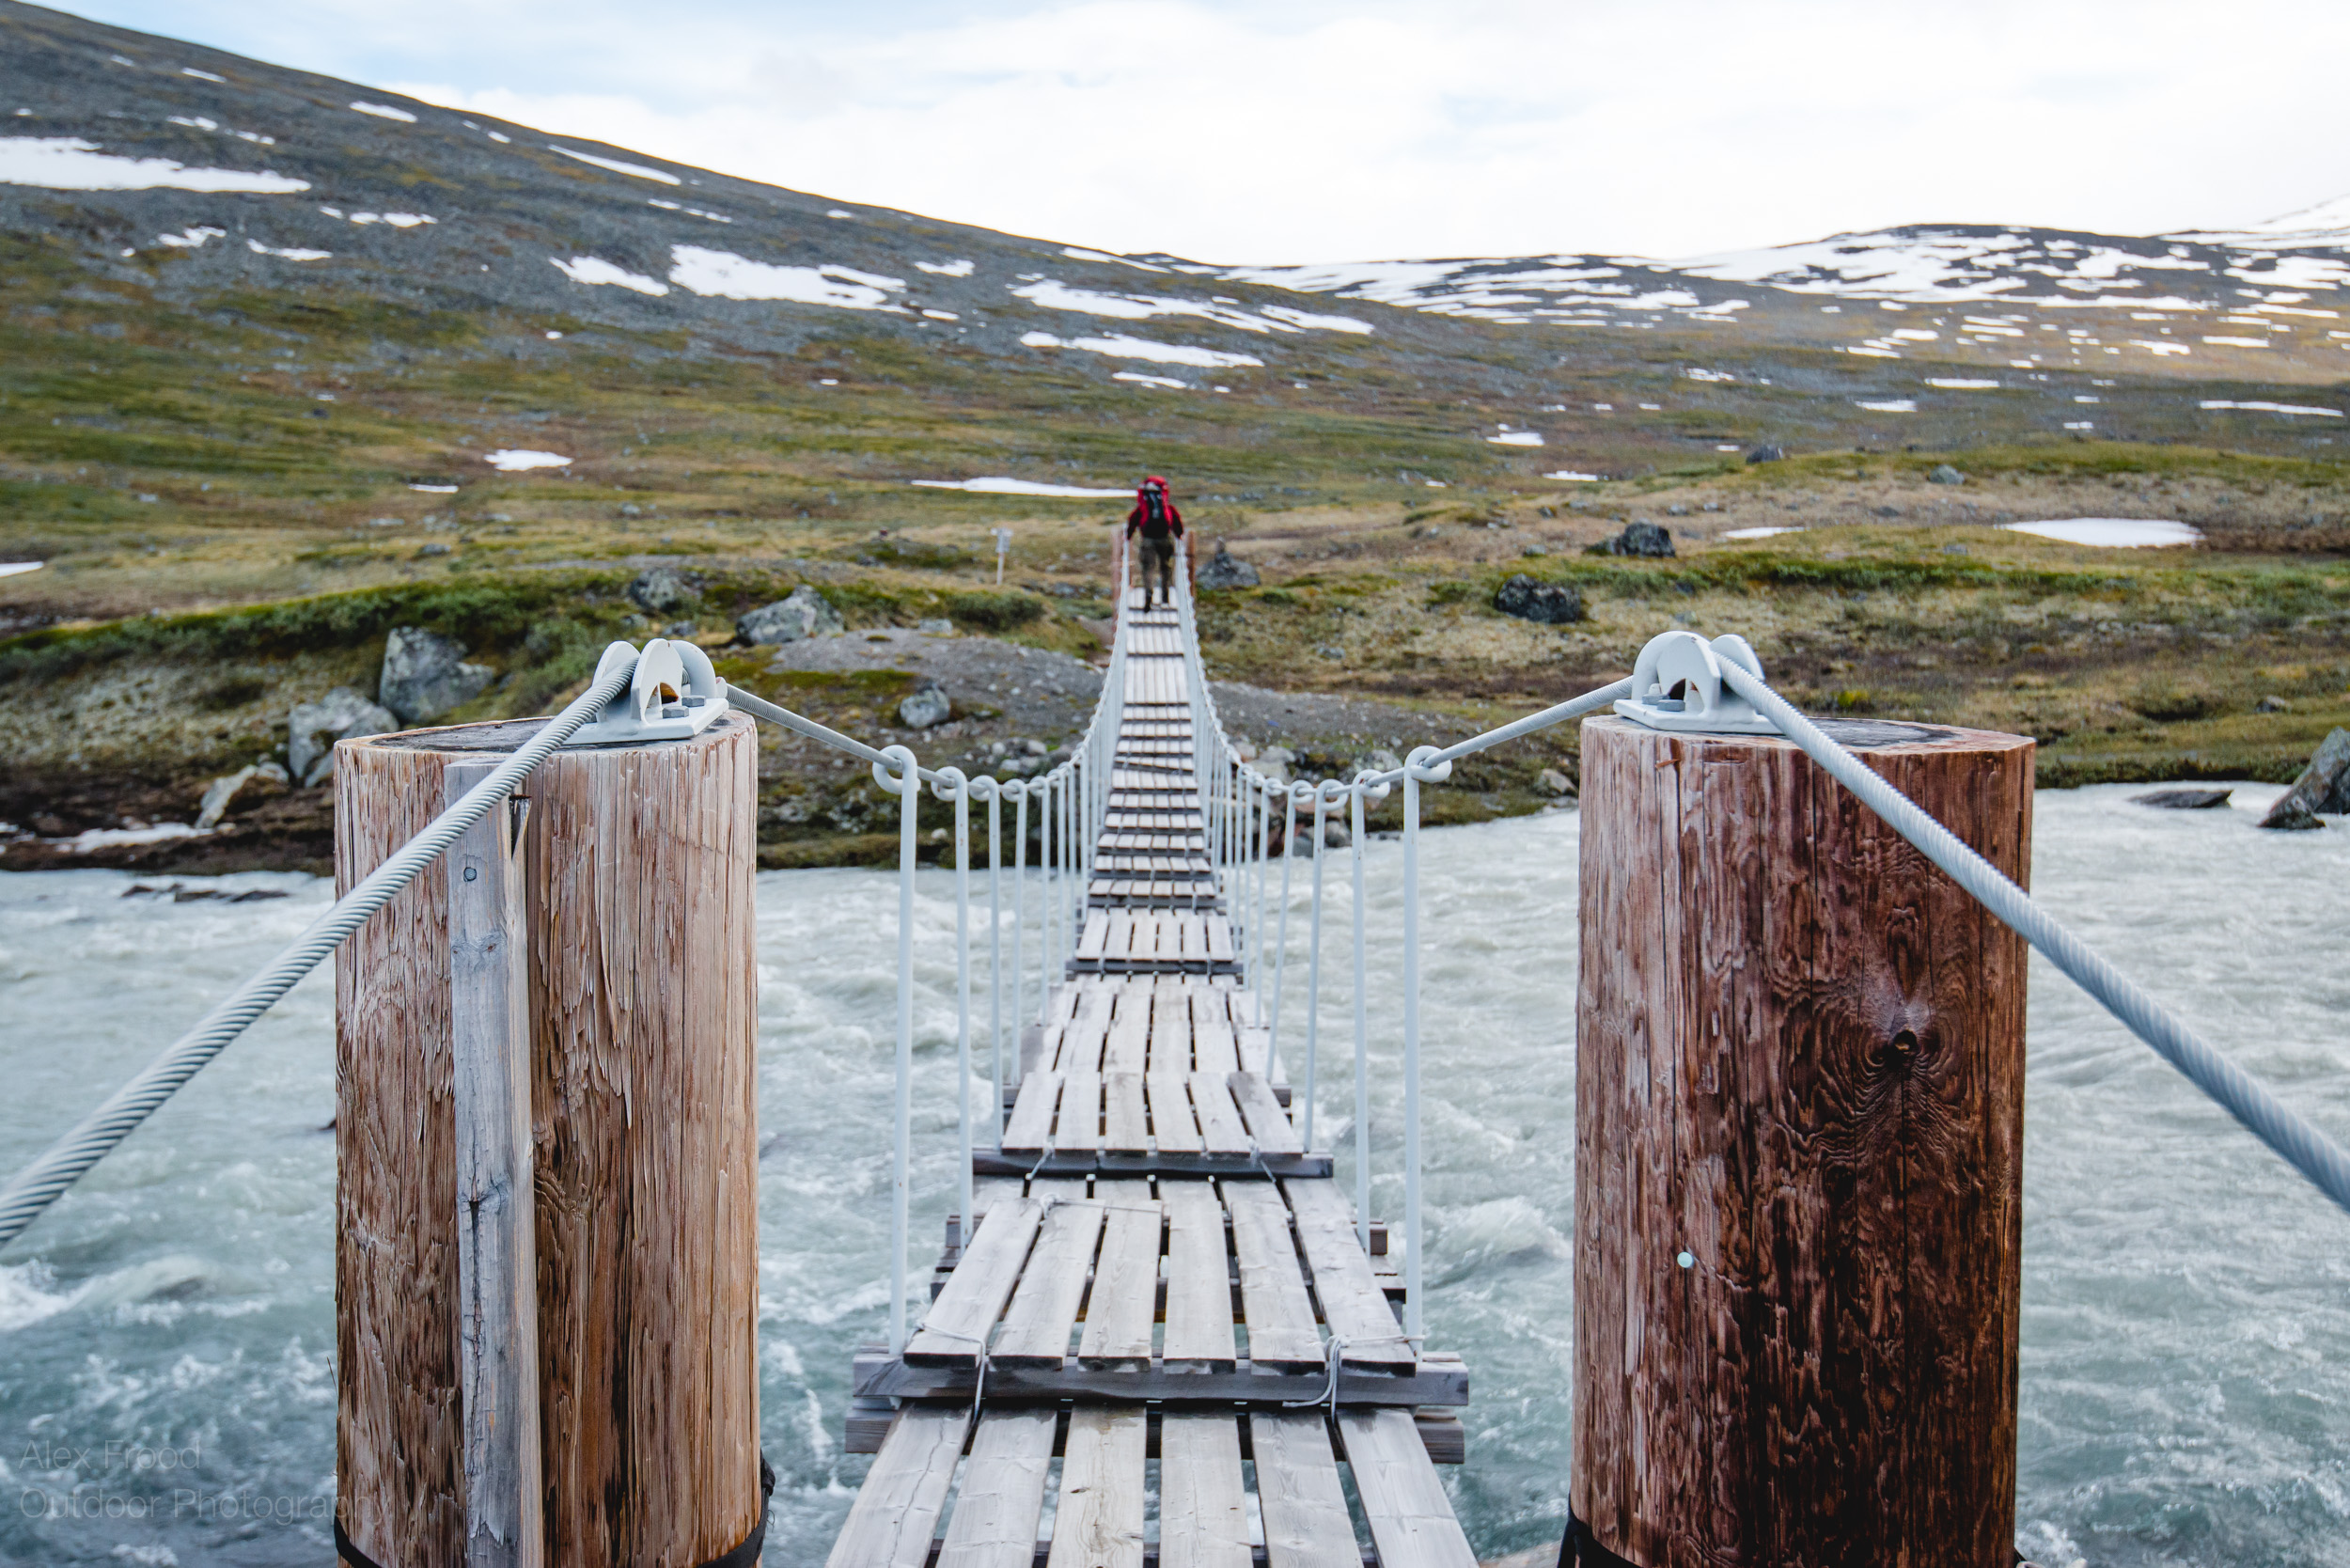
[(2303, 1146), (39, 1184)]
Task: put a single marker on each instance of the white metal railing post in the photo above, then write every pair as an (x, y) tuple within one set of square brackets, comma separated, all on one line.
[(1313, 954), (1068, 862), (996, 959), (1281, 936), (908, 789), (1264, 897), (1252, 846), (1045, 914), (1416, 773), (1019, 915), (955, 787), (1362, 1029)]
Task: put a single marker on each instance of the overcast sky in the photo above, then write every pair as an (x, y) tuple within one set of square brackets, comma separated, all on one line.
[(1315, 129)]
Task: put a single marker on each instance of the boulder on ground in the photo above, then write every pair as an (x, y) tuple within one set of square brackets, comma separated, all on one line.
[(1555, 782), (803, 613), (425, 675), (926, 707), (1638, 538), (1225, 570), (2290, 816), (662, 591), (2323, 787), (2272, 705), (2183, 800), (313, 727), (1944, 474), (217, 795), (1530, 598), (1770, 451)]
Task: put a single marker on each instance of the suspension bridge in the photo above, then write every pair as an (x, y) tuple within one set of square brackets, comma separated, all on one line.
[(1159, 1334)]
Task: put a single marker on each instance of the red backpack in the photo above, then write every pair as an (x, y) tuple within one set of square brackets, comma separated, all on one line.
[(1151, 498)]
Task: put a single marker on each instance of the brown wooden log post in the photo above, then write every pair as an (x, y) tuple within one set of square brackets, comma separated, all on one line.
[(637, 907), (1798, 1155)]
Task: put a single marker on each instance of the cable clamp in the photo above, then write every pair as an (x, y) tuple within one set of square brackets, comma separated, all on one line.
[(1678, 684), (674, 696)]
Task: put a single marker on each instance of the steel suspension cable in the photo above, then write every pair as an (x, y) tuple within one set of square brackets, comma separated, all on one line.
[(39, 1184), (2303, 1146)]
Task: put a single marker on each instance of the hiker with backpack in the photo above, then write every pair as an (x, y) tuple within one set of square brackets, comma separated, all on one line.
[(1160, 524)]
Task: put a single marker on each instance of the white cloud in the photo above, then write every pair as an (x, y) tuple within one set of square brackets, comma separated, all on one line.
[(1315, 131)]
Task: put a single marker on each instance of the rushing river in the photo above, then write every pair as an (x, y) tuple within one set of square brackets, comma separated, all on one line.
[(166, 1333)]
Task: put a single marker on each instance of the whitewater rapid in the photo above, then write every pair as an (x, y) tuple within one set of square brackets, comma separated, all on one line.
[(2186, 1341)]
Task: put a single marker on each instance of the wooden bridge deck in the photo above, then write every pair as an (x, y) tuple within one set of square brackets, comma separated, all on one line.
[(1159, 1273)]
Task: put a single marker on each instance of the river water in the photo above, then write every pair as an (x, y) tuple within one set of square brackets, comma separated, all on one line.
[(166, 1333)]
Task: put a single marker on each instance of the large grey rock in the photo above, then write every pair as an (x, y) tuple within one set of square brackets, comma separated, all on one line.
[(2323, 787), (313, 727), (1638, 538), (802, 614), (925, 707), (1769, 451), (2183, 800), (217, 795), (425, 675), (1944, 474), (1225, 570), (662, 591), (1551, 603)]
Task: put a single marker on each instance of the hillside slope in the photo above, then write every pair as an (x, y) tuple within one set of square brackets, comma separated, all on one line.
[(287, 363)]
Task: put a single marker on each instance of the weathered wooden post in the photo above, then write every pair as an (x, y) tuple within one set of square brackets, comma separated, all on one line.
[(636, 903), (1798, 1156)]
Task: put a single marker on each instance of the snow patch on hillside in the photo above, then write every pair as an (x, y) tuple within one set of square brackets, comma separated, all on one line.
[(638, 170), (593, 269), (1123, 347), (1053, 294), (1000, 485), (723, 275), (70, 164)]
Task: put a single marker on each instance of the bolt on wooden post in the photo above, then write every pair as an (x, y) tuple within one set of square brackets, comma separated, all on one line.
[(1798, 1155), (628, 1100)]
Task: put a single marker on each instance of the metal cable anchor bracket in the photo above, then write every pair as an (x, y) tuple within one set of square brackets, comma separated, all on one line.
[(1678, 684), (674, 696)]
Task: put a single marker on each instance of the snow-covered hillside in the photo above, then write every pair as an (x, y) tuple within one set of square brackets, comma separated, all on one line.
[(2273, 265)]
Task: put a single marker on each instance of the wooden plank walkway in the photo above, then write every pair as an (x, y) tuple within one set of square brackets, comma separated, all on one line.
[(1158, 1269)]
